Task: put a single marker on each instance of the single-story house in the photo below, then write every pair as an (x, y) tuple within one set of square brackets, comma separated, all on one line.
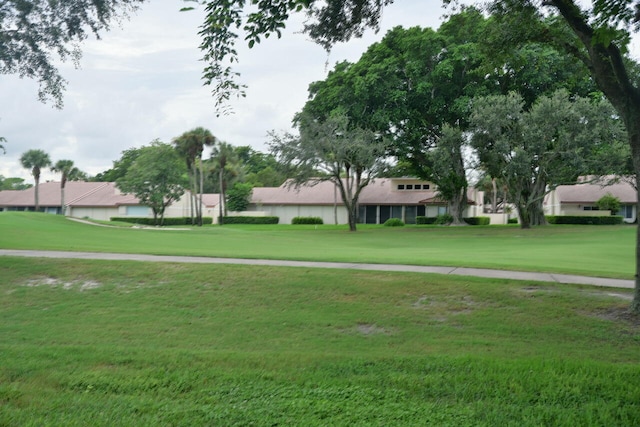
[(384, 198), (96, 200), (582, 198)]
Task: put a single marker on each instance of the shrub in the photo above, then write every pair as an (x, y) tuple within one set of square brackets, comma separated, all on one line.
[(167, 221), (591, 220), (609, 202), (250, 220), (444, 219), (394, 222), (512, 221), (478, 220), (307, 220), (425, 220), (238, 197)]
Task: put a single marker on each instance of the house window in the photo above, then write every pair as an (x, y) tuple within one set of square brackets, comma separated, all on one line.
[(591, 208), (142, 211), (425, 187), (385, 213), (626, 211), (410, 214), (409, 186), (400, 186), (371, 214), (417, 187)]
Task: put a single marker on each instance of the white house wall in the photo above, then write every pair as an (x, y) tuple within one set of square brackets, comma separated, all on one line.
[(286, 213), (101, 214)]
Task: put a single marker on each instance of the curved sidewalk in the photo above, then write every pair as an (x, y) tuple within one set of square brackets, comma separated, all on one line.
[(458, 271)]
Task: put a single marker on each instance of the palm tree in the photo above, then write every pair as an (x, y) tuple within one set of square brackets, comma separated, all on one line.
[(190, 146), (69, 173), (35, 160), (225, 165)]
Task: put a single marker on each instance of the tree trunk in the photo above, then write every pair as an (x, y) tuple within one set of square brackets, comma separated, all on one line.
[(62, 206), (201, 191), (635, 304), (221, 201), (494, 196), (457, 204), (523, 215), (37, 196)]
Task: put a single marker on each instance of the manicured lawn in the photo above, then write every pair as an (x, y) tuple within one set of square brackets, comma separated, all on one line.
[(139, 344), (606, 251)]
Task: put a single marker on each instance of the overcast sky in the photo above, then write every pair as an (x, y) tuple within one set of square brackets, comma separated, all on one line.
[(142, 81)]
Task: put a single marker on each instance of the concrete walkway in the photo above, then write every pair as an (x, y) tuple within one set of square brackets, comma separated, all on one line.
[(458, 271)]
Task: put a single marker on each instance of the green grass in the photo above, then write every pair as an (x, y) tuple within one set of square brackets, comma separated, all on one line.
[(606, 251), (106, 343)]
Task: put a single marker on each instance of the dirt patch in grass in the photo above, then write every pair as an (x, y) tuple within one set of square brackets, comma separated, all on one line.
[(621, 315), (55, 283)]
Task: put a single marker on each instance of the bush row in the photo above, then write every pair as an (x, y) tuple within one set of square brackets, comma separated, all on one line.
[(167, 221), (595, 220), (445, 219), (307, 220), (250, 220)]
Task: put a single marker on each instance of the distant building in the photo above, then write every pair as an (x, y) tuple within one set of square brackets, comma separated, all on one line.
[(582, 198)]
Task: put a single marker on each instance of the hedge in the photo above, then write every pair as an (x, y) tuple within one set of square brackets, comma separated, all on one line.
[(167, 221), (307, 220), (249, 220), (594, 220), (426, 220), (478, 220)]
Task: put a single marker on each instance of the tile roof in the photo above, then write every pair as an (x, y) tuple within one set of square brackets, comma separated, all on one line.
[(379, 191), (77, 193), (592, 192)]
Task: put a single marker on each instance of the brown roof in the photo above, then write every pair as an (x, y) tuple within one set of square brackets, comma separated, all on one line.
[(591, 192), (379, 192), (77, 193)]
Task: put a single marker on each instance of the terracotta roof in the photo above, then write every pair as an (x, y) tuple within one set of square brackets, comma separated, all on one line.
[(77, 193), (591, 192), (380, 191)]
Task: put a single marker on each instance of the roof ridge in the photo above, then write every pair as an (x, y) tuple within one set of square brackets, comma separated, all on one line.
[(87, 194)]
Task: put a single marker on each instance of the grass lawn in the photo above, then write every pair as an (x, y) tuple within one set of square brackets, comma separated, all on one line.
[(139, 344), (606, 251)]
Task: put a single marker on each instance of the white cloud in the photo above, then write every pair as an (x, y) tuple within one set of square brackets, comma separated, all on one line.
[(143, 81)]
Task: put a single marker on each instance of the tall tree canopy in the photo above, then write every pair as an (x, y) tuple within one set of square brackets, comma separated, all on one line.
[(156, 178), (336, 151), (35, 34), (597, 35), (535, 149)]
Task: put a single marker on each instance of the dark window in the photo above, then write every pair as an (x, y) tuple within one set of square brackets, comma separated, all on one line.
[(362, 214), (385, 213), (396, 212), (425, 187), (410, 214), (409, 187), (417, 187), (371, 214), (400, 186), (421, 211)]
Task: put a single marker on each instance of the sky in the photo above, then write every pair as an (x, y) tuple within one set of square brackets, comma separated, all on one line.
[(142, 81)]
